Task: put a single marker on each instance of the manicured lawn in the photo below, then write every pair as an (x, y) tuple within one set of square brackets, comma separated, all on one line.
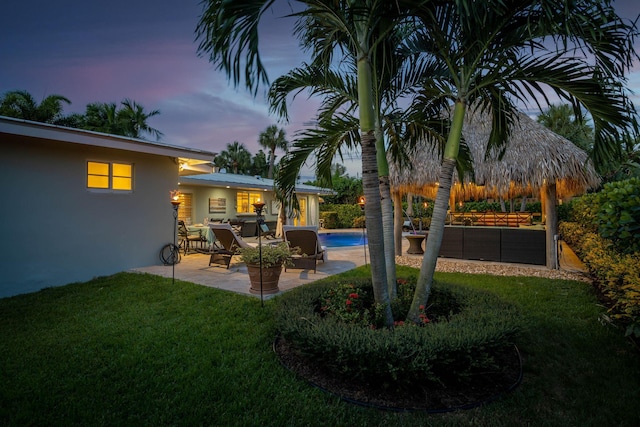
[(136, 350)]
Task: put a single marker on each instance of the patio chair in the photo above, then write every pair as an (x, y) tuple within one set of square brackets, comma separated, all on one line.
[(229, 244), (268, 229), (186, 237), (306, 238)]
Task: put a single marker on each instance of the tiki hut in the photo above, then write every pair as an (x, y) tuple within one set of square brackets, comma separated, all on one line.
[(536, 161)]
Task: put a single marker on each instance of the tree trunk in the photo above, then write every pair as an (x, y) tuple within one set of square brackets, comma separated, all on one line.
[(409, 204), (523, 204), (388, 235), (434, 241), (436, 230), (371, 187), (503, 207)]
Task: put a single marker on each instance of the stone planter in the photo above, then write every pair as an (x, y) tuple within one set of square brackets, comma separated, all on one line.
[(270, 278)]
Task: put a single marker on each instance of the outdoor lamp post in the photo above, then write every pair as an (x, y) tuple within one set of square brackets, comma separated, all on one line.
[(258, 206), (364, 244), (175, 202)]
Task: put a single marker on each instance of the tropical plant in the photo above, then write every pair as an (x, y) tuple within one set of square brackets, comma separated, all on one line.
[(133, 119), (259, 164), (21, 105), (338, 124), (273, 138), (272, 255), (130, 120), (568, 123), (229, 35), (236, 158), (495, 54), (102, 117)]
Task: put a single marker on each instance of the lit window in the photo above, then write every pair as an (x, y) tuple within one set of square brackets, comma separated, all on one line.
[(246, 200), (110, 176)]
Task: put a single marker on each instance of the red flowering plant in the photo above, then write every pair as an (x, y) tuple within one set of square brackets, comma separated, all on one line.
[(348, 303), (353, 303)]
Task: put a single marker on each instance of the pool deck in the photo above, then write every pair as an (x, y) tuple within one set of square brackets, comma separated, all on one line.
[(195, 268)]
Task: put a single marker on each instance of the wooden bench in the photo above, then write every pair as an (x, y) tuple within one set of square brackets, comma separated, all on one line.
[(491, 219)]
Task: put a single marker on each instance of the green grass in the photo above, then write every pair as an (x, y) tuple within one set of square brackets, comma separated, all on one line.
[(134, 349)]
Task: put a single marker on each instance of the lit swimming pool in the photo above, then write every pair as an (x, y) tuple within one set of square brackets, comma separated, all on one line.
[(339, 240)]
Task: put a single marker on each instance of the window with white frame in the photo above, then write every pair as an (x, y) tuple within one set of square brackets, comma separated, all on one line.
[(246, 200)]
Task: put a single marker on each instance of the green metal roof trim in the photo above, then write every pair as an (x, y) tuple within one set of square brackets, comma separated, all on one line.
[(246, 181)]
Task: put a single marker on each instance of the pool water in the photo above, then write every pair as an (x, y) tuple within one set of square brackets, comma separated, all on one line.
[(339, 240)]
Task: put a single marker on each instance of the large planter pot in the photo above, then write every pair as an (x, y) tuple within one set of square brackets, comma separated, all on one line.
[(270, 278)]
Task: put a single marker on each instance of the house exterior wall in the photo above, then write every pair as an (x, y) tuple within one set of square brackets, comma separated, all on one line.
[(56, 231), (201, 195)]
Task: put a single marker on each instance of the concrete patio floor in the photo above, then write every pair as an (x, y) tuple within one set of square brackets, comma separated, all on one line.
[(195, 268)]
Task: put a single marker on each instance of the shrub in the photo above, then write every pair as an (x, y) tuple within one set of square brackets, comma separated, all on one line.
[(619, 214), (330, 219), (614, 213), (468, 330), (345, 214), (359, 222), (272, 255), (617, 275)]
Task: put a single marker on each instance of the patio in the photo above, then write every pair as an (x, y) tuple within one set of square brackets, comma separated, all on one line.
[(195, 268)]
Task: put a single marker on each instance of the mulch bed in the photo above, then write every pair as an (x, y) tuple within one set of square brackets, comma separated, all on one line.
[(481, 389)]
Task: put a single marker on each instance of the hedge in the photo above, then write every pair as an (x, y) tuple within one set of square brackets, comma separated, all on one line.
[(455, 347), (617, 275)]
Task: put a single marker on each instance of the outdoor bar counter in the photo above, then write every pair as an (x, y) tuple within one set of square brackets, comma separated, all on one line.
[(501, 244)]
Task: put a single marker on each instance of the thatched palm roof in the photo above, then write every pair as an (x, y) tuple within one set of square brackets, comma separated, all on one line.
[(534, 155)]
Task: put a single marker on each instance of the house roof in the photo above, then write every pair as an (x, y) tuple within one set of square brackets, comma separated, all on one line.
[(43, 131), (249, 182)]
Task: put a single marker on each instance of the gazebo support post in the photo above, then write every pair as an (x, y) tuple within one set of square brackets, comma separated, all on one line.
[(397, 222), (551, 225)]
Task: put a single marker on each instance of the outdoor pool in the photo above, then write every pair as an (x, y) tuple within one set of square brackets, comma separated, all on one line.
[(339, 240)]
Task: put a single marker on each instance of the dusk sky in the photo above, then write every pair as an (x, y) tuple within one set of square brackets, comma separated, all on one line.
[(146, 51)]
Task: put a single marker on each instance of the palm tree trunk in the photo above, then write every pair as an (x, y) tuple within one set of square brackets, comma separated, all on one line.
[(388, 236), (436, 230), (387, 212), (371, 188)]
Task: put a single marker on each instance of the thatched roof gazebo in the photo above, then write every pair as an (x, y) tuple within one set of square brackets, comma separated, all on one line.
[(536, 161)]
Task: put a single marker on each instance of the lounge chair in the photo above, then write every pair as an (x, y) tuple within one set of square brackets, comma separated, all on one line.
[(229, 244), (306, 238)]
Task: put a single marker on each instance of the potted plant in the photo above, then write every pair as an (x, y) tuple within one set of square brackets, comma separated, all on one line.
[(273, 258)]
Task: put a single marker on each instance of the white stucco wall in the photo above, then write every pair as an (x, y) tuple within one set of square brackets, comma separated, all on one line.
[(55, 231)]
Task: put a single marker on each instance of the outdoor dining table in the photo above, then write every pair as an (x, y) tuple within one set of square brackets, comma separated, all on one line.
[(205, 230)]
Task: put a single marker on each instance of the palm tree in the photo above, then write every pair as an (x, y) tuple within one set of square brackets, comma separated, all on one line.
[(133, 120), (103, 117), (21, 105), (563, 120), (235, 158), (337, 124), (273, 138), (493, 54), (130, 120), (229, 35), (259, 164)]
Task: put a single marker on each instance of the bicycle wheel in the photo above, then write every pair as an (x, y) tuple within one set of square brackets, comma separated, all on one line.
[(170, 254)]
